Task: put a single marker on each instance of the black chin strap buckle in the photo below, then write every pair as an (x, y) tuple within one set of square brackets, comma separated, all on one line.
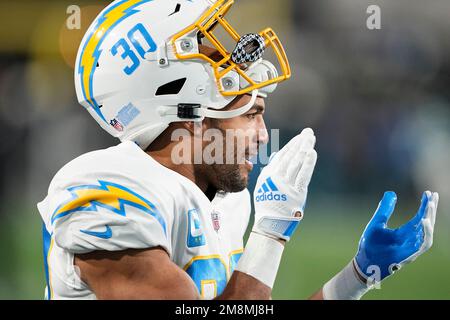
[(186, 110)]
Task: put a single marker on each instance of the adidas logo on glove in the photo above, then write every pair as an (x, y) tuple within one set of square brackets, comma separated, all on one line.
[(269, 192)]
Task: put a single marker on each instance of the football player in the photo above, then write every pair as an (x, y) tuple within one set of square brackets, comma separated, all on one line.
[(132, 222)]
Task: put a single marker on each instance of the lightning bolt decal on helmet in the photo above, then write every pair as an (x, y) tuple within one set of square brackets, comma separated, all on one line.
[(142, 65)]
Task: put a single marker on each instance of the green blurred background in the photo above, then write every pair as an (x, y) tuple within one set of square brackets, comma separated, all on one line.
[(379, 102)]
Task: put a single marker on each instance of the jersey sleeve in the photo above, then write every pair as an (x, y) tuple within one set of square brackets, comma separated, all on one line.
[(108, 213)]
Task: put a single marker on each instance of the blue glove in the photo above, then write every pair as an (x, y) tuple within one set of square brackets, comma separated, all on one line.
[(383, 250)]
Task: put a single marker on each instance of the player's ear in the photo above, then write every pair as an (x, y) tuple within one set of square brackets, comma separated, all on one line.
[(189, 126), (196, 128)]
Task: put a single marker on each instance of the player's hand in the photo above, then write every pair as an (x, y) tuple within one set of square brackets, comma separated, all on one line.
[(390, 249), (281, 190)]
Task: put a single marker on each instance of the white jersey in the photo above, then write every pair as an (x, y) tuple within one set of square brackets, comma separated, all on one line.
[(121, 198)]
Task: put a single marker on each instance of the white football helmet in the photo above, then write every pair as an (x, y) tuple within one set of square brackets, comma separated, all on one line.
[(142, 65)]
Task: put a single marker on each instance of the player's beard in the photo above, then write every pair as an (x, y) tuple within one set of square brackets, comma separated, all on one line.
[(223, 177), (230, 177)]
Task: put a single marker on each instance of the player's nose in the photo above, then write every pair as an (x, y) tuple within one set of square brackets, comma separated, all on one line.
[(263, 135)]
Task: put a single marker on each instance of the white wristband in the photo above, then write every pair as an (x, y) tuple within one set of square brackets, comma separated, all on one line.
[(346, 285), (261, 258)]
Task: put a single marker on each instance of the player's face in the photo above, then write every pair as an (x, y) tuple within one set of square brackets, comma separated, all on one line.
[(242, 136)]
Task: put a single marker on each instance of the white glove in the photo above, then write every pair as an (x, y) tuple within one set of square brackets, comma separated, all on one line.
[(282, 187), (279, 194)]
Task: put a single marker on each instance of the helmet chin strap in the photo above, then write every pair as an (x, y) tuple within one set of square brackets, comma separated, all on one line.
[(218, 114)]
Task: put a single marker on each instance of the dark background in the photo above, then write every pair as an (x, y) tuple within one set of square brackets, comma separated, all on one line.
[(378, 100)]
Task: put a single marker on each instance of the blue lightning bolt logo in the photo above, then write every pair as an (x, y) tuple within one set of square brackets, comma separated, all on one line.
[(108, 195), (91, 51)]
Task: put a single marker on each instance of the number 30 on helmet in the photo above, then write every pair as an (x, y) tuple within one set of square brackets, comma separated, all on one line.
[(146, 63)]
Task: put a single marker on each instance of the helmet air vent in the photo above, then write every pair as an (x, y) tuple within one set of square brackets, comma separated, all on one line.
[(173, 87)]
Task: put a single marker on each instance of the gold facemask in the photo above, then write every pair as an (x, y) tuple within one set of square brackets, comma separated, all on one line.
[(223, 63)]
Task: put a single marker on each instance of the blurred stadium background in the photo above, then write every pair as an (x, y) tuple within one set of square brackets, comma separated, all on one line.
[(379, 102)]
